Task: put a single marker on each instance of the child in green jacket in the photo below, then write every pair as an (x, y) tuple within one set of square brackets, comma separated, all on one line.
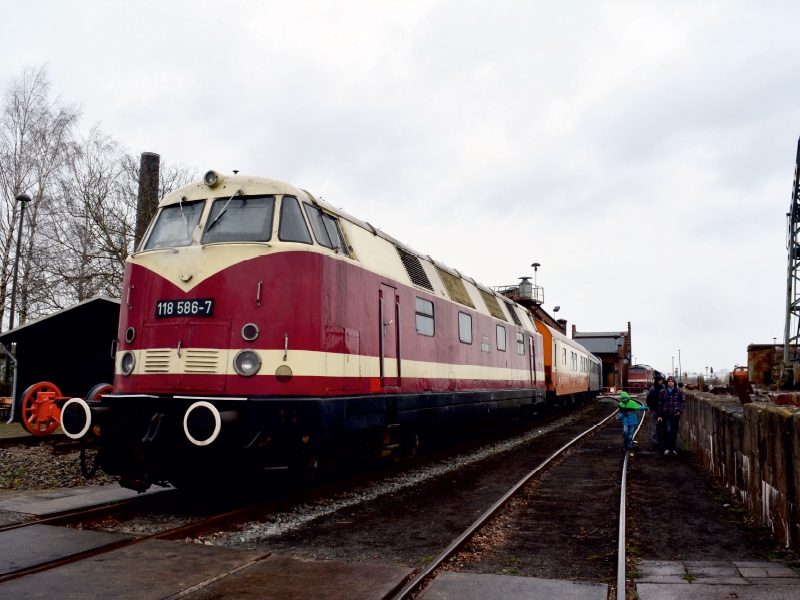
[(627, 413)]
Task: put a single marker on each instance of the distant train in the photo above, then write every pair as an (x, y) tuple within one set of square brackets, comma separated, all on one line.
[(640, 378), (262, 329)]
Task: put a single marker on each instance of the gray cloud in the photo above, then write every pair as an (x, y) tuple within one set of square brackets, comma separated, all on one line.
[(612, 142)]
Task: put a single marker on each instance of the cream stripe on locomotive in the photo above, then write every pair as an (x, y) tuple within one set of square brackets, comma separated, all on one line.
[(305, 363)]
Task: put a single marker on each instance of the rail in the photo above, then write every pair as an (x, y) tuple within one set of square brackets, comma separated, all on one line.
[(416, 583), (621, 540)]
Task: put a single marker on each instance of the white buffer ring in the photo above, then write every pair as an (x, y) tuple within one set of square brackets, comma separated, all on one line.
[(217, 423), (82, 403)]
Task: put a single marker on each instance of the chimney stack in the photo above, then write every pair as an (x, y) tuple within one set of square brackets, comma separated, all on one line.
[(148, 193), (562, 323), (573, 331)]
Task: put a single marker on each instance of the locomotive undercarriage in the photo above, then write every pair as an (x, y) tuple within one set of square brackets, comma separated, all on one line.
[(145, 441)]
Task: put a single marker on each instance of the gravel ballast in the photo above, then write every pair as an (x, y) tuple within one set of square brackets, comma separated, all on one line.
[(37, 468), (280, 524)]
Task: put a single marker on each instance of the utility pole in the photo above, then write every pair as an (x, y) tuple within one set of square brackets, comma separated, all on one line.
[(680, 369)]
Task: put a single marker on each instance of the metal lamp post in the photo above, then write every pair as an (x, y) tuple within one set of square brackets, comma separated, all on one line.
[(535, 269), (22, 199)]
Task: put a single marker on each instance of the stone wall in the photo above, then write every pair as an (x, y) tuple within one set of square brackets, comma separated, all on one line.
[(752, 450)]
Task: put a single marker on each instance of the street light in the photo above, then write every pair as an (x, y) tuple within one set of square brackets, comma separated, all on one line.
[(22, 199), (535, 269)]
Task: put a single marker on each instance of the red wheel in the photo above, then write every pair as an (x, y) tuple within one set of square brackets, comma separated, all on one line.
[(40, 415), (98, 391), (95, 395)]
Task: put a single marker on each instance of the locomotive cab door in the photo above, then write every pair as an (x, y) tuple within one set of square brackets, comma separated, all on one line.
[(389, 336)]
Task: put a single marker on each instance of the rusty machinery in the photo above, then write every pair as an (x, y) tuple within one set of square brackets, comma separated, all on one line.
[(791, 333)]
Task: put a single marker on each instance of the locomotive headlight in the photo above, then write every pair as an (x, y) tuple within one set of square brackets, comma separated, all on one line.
[(211, 178), (127, 363), (246, 363)]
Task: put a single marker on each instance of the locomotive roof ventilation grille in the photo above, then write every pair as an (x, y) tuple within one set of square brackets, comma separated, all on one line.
[(414, 269), (513, 313), (492, 304), (455, 287)]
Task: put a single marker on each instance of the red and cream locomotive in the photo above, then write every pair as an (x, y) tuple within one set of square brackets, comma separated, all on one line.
[(263, 329)]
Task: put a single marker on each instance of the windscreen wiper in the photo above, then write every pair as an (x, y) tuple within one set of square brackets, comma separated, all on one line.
[(224, 208)]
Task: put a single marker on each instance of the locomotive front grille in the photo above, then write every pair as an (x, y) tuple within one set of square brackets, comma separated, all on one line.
[(201, 360), (157, 361)]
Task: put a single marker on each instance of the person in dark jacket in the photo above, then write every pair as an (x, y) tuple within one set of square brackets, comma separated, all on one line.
[(671, 405), (652, 404), (627, 413)]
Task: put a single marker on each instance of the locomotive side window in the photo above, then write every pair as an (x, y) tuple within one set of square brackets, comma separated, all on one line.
[(424, 310), (520, 343), (464, 328), (326, 229), (175, 225), (241, 219), (501, 338), (564, 356), (293, 226)]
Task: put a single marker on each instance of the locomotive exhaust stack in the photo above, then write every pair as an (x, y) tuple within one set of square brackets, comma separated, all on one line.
[(202, 422)]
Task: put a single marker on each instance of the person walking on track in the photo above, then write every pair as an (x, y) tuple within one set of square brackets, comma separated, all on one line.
[(652, 404), (627, 412), (671, 405)]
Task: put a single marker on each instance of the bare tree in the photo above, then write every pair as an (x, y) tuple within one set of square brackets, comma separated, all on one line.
[(91, 230), (84, 226), (80, 227), (35, 141)]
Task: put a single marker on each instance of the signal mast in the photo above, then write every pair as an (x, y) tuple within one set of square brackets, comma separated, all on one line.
[(791, 332)]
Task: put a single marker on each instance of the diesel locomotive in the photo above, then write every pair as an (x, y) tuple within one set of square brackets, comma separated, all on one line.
[(262, 329)]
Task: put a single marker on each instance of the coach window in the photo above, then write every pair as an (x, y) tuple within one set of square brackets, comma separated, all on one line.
[(425, 324), (501, 338), (241, 219), (293, 225), (464, 328), (520, 343), (564, 356), (175, 225), (326, 229)]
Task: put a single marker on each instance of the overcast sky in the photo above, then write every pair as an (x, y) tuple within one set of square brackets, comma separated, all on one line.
[(641, 152)]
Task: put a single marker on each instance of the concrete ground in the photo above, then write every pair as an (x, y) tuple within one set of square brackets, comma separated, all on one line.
[(714, 579), (157, 569)]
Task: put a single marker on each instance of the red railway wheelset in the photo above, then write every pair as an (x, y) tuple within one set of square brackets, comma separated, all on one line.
[(41, 406)]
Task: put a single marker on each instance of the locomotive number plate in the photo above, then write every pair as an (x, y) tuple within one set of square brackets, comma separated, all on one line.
[(201, 307)]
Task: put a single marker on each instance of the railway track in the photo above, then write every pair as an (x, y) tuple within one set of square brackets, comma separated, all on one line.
[(227, 519), (423, 578)]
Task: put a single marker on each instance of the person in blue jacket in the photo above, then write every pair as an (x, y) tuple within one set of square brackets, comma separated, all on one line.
[(627, 413)]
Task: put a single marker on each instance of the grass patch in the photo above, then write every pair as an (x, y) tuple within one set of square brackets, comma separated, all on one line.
[(426, 559), (511, 559), (632, 550), (689, 577), (633, 575), (595, 557), (511, 571)]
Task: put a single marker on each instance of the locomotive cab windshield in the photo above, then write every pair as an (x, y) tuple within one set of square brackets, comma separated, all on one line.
[(246, 219), (175, 225)]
